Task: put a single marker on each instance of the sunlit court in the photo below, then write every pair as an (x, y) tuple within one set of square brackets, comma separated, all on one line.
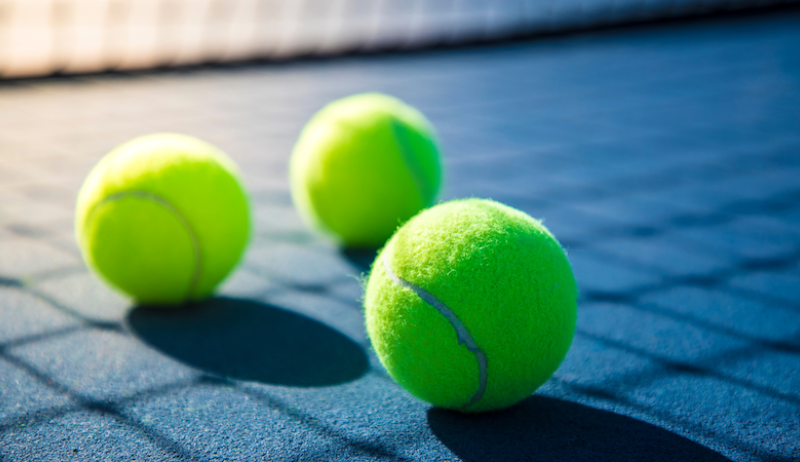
[(475, 230)]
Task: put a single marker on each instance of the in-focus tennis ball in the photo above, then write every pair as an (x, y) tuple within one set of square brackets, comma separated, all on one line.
[(362, 166), (471, 305), (163, 218)]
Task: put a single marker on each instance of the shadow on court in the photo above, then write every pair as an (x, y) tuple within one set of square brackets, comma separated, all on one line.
[(547, 429), (246, 340), (361, 258)]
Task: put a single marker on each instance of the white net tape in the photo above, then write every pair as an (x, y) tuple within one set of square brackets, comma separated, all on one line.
[(39, 37)]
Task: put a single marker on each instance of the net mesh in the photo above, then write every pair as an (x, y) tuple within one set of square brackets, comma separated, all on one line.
[(40, 37)]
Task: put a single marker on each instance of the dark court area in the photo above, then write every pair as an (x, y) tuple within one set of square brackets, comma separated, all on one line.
[(664, 157)]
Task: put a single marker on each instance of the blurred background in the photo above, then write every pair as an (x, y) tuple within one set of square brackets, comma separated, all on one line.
[(41, 37)]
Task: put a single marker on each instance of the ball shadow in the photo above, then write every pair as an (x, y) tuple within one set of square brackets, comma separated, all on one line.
[(251, 341), (547, 429), (359, 257)]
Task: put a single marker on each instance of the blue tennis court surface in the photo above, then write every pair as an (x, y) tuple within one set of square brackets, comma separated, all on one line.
[(666, 160)]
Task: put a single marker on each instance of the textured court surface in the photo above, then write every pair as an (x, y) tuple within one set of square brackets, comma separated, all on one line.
[(667, 161)]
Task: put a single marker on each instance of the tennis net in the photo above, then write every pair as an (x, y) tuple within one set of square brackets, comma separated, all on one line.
[(41, 37)]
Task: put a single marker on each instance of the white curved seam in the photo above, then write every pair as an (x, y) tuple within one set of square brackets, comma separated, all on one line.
[(166, 204), (462, 333)]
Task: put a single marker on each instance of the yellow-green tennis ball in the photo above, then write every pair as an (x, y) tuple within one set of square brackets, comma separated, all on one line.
[(163, 218), (362, 166), (471, 305)]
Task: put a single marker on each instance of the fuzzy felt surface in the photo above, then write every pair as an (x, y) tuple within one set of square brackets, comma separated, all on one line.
[(507, 280), (364, 165), (163, 218)]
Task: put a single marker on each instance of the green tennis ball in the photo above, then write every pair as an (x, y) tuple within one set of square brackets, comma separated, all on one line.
[(471, 305), (163, 218), (362, 166)]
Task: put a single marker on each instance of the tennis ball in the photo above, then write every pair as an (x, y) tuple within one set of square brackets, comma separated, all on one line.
[(471, 305), (163, 218), (362, 166)]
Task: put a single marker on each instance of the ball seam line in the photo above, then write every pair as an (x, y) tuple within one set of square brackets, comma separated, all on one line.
[(407, 156), (166, 204), (462, 333)]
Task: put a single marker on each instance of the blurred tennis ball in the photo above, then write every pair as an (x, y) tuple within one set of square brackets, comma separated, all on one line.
[(471, 305), (362, 166), (163, 218)]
